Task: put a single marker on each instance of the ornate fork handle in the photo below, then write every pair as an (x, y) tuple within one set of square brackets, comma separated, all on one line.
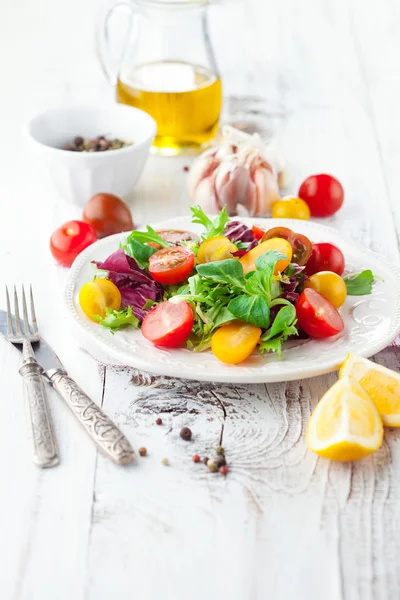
[(101, 429), (45, 452)]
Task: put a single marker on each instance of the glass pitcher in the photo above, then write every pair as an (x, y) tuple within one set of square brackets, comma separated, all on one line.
[(167, 68)]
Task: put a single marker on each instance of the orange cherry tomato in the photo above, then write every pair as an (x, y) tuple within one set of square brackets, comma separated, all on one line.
[(249, 260), (257, 232), (234, 342), (290, 207), (330, 285), (95, 296), (215, 248)]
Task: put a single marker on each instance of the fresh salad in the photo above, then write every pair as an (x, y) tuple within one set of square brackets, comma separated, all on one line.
[(233, 289)]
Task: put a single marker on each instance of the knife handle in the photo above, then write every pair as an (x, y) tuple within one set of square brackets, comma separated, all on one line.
[(45, 453), (101, 429)]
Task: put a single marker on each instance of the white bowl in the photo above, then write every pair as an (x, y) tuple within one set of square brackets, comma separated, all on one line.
[(77, 176)]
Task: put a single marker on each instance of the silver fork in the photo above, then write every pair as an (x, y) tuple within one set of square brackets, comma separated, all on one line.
[(45, 453)]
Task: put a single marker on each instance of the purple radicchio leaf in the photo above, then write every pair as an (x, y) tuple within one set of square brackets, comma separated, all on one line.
[(289, 286), (238, 232)]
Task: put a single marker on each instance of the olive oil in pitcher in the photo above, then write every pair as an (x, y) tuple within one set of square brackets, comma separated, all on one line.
[(183, 98)]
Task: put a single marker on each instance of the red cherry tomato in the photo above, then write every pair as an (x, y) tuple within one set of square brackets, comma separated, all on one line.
[(325, 257), (301, 245), (257, 232), (323, 193), (168, 324), (70, 239), (317, 316), (171, 265)]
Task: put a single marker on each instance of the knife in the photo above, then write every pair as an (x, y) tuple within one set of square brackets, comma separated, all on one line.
[(101, 429)]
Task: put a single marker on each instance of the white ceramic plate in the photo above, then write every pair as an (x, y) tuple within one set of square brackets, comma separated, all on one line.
[(371, 322)]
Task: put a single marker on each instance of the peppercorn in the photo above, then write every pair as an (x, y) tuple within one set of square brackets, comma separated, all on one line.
[(212, 465), (69, 147), (205, 460), (221, 461), (143, 451), (196, 458), (159, 421), (78, 141), (220, 450), (224, 470), (186, 434), (165, 462), (186, 168)]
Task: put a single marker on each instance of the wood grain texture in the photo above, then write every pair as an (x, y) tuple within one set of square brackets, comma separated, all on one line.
[(323, 77)]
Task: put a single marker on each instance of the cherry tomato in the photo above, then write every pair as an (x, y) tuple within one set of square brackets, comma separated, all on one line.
[(323, 193), (70, 239), (215, 248), (95, 296), (171, 265), (330, 285), (176, 236), (301, 245), (257, 232), (317, 316), (248, 261), (234, 342), (168, 324), (290, 208), (325, 257), (107, 214)]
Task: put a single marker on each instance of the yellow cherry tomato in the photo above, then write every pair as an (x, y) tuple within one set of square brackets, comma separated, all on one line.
[(215, 248), (249, 260), (290, 207), (234, 342), (330, 285), (95, 296)]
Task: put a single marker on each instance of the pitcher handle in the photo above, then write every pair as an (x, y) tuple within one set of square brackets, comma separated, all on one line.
[(109, 64)]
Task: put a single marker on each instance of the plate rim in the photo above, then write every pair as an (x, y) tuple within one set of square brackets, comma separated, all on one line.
[(235, 376)]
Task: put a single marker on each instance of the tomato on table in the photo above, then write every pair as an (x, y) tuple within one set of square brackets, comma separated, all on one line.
[(215, 248), (95, 296), (248, 261), (317, 316), (234, 342), (323, 193), (290, 207), (257, 232), (169, 324), (301, 245), (325, 257), (330, 285), (107, 214), (70, 239), (171, 265)]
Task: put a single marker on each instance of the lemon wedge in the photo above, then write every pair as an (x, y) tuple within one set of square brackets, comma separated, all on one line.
[(345, 425), (380, 383)]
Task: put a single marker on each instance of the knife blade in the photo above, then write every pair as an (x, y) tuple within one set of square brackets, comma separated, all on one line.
[(108, 437)]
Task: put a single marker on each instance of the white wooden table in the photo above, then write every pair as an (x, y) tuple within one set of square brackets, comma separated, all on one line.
[(283, 525)]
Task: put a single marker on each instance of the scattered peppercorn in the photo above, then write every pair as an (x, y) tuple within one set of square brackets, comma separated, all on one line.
[(196, 458), (186, 168), (221, 461), (186, 434), (97, 144), (159, 421), (205, 460), (220, 450), (143, 451), (165, 462), (212, 465), (224, 470)]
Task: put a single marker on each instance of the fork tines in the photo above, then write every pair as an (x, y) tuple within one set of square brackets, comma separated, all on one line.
[(30, 327)]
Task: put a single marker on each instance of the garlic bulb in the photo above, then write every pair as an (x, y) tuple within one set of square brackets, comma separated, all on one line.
[(241, 174)]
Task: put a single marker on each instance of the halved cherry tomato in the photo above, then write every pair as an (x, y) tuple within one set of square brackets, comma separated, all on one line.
[(290, 207), (248, 261), (323, 193), (70, 239), (215, 248), (301, 245), (176, 236), (317, 316), (257, 232), (330, 285), (95, 296), (325, 257), (234, 342), (171, 265), (168, 324)]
